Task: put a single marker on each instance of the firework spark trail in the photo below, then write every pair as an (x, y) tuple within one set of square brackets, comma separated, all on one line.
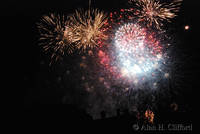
[(52, 37), (87, 28), (153, 12)]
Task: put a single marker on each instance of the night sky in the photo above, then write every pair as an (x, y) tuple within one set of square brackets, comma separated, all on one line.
[(55, 91)]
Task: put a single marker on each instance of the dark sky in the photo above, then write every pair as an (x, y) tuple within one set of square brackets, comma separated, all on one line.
[(38, 83), (13, 7), (18, 24)]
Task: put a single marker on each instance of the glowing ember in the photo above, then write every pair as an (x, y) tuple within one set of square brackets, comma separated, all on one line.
[(187, 27)]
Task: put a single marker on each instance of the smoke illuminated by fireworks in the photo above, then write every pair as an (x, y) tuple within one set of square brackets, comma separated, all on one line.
[(52, 37), (87, 28), (153, 13)]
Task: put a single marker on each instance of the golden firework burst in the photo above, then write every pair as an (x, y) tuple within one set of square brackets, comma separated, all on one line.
[(154, 13), (87, 28), (52, 36)]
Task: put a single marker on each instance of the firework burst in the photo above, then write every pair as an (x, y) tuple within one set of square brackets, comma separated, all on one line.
[(53, 37), (137, 57), (153, 13), (87, 28)]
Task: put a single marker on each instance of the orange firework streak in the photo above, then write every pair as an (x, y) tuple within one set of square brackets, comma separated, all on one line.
[(149, 115)]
